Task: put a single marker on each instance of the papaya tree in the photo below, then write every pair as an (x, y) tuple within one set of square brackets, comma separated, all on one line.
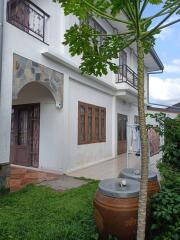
[(98, 52)]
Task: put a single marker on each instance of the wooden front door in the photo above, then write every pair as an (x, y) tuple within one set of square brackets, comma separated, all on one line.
[(25, 135), (122, 134)]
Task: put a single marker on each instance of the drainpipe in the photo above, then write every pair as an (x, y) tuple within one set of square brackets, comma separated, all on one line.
[(1, 36)]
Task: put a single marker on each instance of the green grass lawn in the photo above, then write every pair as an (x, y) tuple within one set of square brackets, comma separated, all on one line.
[(39, 213)]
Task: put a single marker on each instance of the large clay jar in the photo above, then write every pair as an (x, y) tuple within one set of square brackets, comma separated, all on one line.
[(116, 208), (132, 173)]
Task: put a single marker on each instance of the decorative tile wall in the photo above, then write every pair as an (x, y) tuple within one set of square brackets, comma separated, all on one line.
[(26, 71)]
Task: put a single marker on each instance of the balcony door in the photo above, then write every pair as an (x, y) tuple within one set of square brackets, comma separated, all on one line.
[(25, 135), (122, 58), (123, 63), (122, 133)]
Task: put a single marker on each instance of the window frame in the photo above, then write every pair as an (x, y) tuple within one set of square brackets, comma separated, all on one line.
[(102, 117), (97, 27)]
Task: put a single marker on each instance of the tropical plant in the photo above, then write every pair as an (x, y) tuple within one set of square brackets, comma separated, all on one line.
[(165, 210), (98, 55)]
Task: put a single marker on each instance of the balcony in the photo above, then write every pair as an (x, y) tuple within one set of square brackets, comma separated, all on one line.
[(127, 75), (28, 17)]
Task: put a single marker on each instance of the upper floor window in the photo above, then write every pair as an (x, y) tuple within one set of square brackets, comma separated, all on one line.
[(122, 58), (136, 119), (98, 28), (91, 123), (28, 17)]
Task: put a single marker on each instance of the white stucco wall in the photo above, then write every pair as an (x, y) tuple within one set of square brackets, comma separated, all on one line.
[(83, 155), (58, 131)]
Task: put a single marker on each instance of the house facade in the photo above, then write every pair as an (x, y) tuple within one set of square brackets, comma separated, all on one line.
[(51, 116)]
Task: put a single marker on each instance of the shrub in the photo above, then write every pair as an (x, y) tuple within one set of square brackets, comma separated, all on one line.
[(171, 148), (170, 177), (165, 208), (170, 129)]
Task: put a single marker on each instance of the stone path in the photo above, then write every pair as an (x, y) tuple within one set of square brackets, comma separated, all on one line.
[(21, 177), (64, 182)]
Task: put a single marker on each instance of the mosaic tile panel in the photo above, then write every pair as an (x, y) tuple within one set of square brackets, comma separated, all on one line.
[(26, 71)]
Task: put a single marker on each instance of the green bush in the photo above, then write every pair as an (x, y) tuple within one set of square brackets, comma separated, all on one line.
[(170, 129), (165, 206), (170, 177), (171, 148)]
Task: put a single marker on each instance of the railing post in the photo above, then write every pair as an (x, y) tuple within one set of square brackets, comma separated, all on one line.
[(126, 74), (44, 28)]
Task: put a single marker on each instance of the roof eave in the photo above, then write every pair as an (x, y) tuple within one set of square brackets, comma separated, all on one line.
[(157, 59)]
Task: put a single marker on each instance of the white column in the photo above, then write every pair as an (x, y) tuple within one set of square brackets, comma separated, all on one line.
[(66, 127), (114, 128), (6, 102)]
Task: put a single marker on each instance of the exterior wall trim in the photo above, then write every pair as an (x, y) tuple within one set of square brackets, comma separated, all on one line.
[(67, 63), (109, 88)]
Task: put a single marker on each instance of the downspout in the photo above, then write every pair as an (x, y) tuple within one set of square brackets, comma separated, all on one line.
[(1, 36)]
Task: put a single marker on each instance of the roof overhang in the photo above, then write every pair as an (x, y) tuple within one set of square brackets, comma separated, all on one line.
[(153, 62)]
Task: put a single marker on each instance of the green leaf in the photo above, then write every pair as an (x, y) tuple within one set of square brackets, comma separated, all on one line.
[(156, 2)]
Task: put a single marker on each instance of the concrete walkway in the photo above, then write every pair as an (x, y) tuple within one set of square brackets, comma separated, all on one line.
[(108, 169), (20, 177), (112, 167)]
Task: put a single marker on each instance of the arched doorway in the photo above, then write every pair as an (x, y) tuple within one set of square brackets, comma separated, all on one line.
[(25, 127)]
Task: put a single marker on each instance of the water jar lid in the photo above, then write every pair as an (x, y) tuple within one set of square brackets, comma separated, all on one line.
[(135, 174), (111, 187)]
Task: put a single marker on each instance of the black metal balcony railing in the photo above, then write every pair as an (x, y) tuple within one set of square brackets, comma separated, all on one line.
[(126, 74), (28, 17)]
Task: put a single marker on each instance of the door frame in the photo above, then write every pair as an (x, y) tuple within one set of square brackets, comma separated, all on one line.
[(123, 140), (32, 120)]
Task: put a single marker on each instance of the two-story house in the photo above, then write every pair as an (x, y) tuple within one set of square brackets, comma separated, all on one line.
[(51, 116)]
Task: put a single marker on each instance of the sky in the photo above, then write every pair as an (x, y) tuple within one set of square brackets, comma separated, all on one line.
[(165, 87)]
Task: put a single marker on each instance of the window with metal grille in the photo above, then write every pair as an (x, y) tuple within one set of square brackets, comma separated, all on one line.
[(91, 123), (28, 17), (98, 28)]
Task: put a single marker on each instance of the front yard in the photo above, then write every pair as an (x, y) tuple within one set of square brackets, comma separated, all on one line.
[(39, 213)]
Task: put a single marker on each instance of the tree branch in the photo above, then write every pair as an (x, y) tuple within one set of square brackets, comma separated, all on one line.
[(137, 18), (162, 11), (130, 11), (111, 35), (143, 8), (159, 24), (169, 24), (102, 14), (129, 43)]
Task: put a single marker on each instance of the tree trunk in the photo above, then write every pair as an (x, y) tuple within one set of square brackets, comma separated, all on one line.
[(144, 146)]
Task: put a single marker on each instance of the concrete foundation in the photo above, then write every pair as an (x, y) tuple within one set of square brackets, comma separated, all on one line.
[(4, 177)]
